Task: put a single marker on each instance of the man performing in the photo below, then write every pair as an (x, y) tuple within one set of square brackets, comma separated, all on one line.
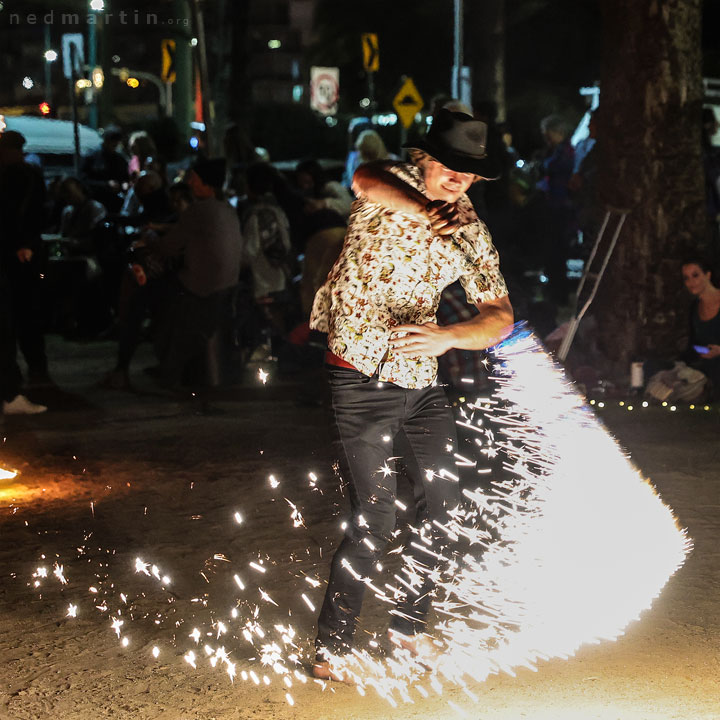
[(411, 234)]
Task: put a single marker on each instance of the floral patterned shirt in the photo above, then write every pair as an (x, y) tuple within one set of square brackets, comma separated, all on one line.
[(392, 270)]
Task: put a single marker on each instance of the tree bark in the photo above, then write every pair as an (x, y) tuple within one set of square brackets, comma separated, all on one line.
[(650, 164)]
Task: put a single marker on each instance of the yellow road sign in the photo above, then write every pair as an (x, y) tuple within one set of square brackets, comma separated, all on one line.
[(407, 102), (371, 52), (168, 61)]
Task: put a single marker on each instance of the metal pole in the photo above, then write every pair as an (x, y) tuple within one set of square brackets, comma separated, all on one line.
[(208, 108), (371, 89), (457, 48), (92, 62), (182, 92), (73, 102), (163, 88), (48, 64)]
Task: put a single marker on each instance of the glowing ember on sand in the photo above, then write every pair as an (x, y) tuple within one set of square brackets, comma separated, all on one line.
[(7, 474)]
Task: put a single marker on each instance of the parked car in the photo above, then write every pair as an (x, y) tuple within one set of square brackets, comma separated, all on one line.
[(53, 141)]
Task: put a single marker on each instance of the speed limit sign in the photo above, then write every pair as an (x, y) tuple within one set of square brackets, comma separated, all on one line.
[(324, 89)]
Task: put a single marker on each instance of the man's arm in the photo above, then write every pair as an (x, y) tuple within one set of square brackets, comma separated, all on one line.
[(492, 325), (375, 182)]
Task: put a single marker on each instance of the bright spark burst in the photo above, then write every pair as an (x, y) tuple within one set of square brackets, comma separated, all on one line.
[(7, 474), (59, 573), (561, 576), (263, 376), (568, 547)]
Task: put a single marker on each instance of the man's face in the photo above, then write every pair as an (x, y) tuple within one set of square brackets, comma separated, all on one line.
[(442, 183)]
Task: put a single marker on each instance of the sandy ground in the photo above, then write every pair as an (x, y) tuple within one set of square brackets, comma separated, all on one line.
[(107, 477)]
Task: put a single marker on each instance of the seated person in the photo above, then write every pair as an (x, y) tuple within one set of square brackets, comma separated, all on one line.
[(81, 215), (703, 351)]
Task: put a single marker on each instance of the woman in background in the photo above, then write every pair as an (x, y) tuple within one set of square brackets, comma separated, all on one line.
[(704, 345)]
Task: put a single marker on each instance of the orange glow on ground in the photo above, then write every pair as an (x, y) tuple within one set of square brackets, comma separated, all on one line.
[(17, 490)]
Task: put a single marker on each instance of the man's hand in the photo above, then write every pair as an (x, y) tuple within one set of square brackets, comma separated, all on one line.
[(24, 255), (428, 339), (139, 273), (713, 352), (443, 217)]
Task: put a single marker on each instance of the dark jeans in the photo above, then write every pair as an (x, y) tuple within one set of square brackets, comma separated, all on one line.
[(366, 412), (10, 377), (188, 323), (136, 302), (28, 314)]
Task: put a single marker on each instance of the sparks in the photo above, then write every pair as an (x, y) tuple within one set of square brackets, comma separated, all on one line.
[(308, 602), (263, 376), (58, 572)]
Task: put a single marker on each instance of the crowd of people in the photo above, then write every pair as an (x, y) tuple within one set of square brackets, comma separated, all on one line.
[(208, 261), (217, 261)]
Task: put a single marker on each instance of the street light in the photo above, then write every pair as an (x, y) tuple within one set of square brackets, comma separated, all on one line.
[(51, 56), (28, 83), (96, 6)]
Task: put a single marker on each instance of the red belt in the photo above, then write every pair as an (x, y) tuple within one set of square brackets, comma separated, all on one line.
[(333, 359)]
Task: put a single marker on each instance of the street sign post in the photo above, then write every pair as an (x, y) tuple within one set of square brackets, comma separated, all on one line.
[(73, 61), (324, 89), (371, 62), (168, 74), (371, 52), (408, 103)]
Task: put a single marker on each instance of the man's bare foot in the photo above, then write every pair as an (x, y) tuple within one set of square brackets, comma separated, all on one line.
[(421, 646), (325, 670)]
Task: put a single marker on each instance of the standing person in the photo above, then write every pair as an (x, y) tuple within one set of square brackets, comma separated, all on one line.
[(13, 402), (266, 235), (412, 233), (105, 172), (207, 241), (558, 218), (22, 211)]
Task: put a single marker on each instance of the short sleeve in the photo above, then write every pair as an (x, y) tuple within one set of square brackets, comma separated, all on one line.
[(482, 279)]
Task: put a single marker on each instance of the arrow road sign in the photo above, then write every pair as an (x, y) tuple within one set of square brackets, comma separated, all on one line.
[(70, 40), (168, 61), (371, 52), (407, 102)]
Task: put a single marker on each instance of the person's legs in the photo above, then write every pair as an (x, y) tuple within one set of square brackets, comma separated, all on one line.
[(368, 414), (28, 313), (132, 309), (429, 431), (10, 376), (189, 323)]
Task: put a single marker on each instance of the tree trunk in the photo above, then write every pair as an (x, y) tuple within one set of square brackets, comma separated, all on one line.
[(485, 51), (649, 142)]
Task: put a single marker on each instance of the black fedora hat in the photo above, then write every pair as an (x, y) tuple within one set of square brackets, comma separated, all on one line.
[(457, 140)]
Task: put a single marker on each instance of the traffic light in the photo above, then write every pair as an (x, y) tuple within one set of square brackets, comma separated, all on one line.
[(45, 109)]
